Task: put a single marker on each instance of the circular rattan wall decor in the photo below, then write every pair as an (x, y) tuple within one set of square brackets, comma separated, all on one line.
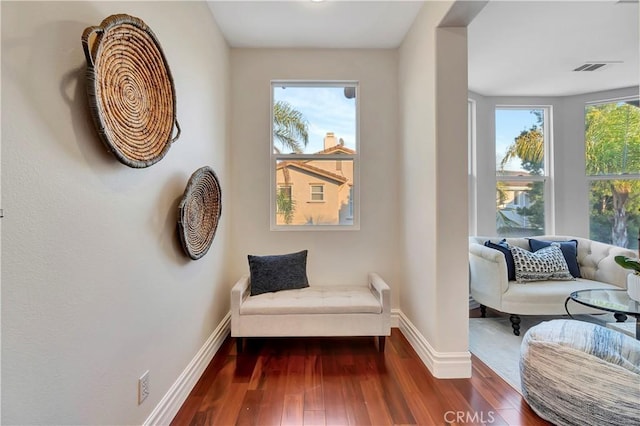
[(199, 212), (131, 92)]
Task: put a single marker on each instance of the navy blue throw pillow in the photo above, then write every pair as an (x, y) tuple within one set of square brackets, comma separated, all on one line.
[(504, 248), (569, 251), (278, 272)]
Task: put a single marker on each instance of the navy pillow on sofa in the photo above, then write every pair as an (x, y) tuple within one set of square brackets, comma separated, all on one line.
[(504, 248), (569, 250), (278, 272)]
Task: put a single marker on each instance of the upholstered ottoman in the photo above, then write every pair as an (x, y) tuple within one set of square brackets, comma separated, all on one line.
[(578, 373)]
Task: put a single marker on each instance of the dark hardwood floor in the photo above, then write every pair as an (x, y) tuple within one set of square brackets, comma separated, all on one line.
[(344, 381)]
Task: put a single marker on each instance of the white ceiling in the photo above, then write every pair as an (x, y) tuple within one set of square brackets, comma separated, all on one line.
[(531, 48), (516, 48), (303, 23)]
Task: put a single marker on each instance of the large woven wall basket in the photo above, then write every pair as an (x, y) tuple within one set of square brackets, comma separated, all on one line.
[(199, 212), (130, 88)]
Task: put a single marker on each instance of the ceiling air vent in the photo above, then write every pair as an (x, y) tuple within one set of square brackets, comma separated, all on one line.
[(589, 67), (596, 65)]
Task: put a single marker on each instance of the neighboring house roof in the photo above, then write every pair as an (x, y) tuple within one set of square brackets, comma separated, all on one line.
[(337, 149), (509, 218), (304, 165), (515, 185), (506, 173), (312, 169)]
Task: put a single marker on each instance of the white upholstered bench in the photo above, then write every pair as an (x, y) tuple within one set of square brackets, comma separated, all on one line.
[(317, 310)]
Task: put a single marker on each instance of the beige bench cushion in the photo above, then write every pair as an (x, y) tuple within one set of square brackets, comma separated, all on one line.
[(313, 300)]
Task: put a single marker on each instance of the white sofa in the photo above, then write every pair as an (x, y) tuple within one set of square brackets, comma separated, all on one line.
[(317, 310), (489, 284)]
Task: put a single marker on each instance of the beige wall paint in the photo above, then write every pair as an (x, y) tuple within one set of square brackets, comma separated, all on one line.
[(432, 89), (418, 156), (334, 256), (95, 287), (452, 185)]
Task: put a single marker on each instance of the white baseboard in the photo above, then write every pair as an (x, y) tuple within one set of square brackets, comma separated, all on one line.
[(443, 365), (170, 404), (395, 318)]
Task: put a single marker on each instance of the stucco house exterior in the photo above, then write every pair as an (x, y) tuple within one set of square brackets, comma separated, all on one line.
[(318, 192)]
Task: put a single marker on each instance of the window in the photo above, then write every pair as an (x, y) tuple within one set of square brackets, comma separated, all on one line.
[(284, 203), (317, 193), (522, 171), (314, 155), (285, 191), (612, 147)]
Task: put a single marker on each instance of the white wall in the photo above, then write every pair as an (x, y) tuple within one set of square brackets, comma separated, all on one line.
[(571, 198), (337, 257), (432, 86), (95, 286), (484, 166)]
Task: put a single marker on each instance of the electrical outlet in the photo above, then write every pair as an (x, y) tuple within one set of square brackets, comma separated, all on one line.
[(143, 387)]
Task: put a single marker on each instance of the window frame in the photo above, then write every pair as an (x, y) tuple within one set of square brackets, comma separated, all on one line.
[(355, 158), (547, 176), (312, 192)]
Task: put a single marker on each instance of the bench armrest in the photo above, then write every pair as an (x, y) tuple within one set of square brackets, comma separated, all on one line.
[(488, 278), (239, 292), (381, 290)]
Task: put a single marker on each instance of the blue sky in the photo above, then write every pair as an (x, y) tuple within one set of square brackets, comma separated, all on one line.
[(509, 123), (326, 109)]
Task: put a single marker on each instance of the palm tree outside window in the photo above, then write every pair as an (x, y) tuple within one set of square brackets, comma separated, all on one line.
[(612, 147)]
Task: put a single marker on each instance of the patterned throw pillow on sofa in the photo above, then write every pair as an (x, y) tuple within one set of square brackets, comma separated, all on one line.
[(545, 264), (569, 250)]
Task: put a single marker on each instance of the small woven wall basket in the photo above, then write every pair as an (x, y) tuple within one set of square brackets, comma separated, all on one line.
[(199, 212), (131, 93)]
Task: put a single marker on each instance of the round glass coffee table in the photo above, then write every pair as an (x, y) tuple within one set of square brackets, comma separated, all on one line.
[(617, 301)]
